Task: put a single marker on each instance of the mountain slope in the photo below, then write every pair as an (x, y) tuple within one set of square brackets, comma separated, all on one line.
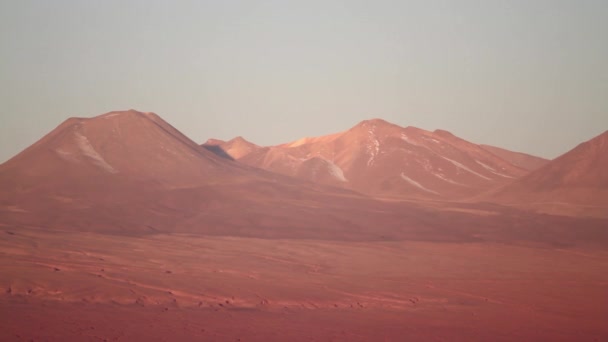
[(382, 159), (523, 160), (575, 182)]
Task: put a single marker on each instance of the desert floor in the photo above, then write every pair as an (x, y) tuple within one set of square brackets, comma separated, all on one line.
[(93, 287)]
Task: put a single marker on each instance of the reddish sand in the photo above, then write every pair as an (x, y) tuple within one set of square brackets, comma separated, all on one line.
[(92, 287)]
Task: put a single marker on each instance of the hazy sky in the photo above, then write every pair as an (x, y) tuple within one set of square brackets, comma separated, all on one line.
[(530, 76)]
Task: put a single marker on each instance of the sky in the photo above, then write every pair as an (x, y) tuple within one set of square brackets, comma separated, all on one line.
[(530, 76)]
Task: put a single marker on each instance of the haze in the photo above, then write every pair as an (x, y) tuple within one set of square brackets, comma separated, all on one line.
[(527, 76)]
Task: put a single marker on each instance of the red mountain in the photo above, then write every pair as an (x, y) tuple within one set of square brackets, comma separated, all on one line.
[(133, 173), (576, 182), (239, 147), (382, 159), (214, 142), (118, 146)]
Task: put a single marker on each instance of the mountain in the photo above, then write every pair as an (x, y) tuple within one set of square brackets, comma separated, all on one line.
[(232, 149), (385, 160), (215, 146), (238, 147), (132, 173), (523, 160), (88, 171), (574, 183), (117, 146), (214, 142)]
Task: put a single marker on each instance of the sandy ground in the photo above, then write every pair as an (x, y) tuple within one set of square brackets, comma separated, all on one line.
[(93, 287)]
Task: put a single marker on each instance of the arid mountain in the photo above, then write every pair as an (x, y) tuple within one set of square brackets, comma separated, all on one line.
[(382, 159), (132, 173), (112, 150), (215, 146), (214, 142), (239, 147), (523, 160), (576, 182)]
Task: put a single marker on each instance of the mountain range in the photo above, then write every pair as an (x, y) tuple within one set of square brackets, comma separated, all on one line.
[(384, 160), (121, 227), (131, 172)]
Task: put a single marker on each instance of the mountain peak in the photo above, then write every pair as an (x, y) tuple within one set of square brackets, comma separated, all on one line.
[(130, 144), (241, 142), (373, 127), (444, 133), (123, 114), (214, 142), (374, 122), (239, 139), (238, 147)]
